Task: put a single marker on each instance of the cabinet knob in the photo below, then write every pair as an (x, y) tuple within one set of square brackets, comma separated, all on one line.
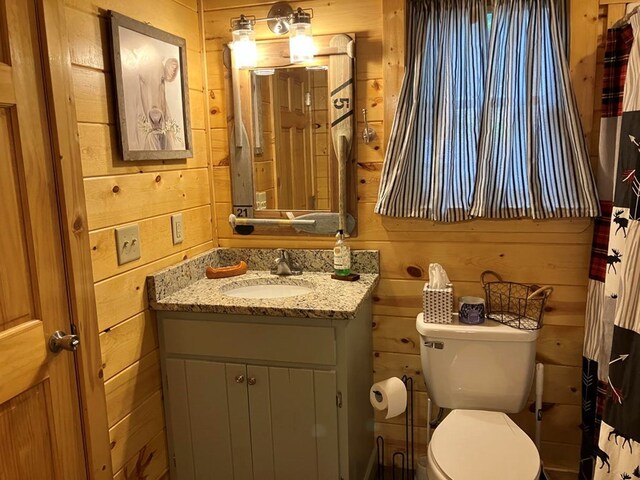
[(240, 379), (251, 381)]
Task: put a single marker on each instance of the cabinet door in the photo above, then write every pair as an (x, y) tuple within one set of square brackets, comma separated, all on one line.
[(178, 424), (295, 409), (239, 422), (208, 420), (261, 432)]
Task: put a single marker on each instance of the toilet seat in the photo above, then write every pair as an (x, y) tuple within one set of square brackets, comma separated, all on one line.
[(482, 445)]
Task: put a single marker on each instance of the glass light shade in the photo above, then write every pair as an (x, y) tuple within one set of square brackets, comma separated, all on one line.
[(245, 51), (301, 47)]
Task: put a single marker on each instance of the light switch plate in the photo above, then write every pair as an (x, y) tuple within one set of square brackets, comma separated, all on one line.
[(128, 243), (177, 228)]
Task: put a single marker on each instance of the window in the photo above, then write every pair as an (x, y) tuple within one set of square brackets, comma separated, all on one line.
[(486, 124)]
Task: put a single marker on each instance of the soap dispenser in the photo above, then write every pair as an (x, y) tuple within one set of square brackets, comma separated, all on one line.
[(341, 255)]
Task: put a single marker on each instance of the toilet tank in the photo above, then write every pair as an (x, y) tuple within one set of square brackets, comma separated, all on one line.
[(477, 367)]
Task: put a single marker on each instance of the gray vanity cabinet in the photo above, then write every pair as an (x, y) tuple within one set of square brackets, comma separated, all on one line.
[(266, 398)]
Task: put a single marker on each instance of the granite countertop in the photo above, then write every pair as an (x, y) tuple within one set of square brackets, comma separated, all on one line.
[(185, 288), (328, 299)]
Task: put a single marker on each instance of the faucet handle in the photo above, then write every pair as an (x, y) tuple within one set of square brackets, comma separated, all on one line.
[(282, 258), (284, 265), (282, 255)]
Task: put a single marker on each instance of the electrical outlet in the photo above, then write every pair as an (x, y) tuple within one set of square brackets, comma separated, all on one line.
[(128, 243), (177, 228)]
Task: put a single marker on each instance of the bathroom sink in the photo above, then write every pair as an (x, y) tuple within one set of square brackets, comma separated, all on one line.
[(267, 290)]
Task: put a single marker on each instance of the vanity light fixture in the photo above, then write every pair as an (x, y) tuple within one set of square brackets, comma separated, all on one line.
[(245, 51), (281, 19)]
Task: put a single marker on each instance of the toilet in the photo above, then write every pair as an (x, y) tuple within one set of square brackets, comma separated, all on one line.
[(480, 372)]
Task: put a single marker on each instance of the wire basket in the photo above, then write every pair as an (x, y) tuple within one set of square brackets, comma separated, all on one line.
[(515, 304)]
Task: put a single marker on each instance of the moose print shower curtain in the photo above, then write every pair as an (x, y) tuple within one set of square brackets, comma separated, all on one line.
[(611, 357)]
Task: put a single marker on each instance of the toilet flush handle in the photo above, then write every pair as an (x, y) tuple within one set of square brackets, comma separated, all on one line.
[(436, 345)]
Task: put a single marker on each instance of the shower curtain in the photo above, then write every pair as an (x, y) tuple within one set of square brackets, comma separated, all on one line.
[(611, 357)]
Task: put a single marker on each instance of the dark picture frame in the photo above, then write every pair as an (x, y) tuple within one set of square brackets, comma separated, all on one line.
[(152, 91)]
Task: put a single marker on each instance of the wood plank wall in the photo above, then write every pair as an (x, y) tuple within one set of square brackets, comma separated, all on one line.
[(263, 169), (320, 140), (146, 193), (545, 252), (553, 252)]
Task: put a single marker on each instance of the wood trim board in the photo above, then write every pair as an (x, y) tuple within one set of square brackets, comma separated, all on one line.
[(76, 239)]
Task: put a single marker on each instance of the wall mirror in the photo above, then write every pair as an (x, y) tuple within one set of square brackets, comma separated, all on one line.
[(292, 127)]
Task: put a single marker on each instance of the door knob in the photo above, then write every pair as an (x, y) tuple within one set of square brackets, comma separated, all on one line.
[(61, 341), (240, 379), (251, 381)]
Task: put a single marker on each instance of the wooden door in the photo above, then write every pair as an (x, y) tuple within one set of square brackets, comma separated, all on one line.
[(40, 429), (293, 141)]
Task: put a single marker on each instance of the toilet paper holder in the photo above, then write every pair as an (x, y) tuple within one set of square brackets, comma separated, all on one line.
[(406, 467)]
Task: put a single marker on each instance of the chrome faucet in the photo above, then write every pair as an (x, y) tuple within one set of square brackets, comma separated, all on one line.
[(283, 265)]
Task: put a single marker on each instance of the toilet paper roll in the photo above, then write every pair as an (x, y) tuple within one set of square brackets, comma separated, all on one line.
[(389, 395)]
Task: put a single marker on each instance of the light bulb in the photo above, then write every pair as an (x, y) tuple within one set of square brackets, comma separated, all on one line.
[(245, 51), (301, 48)]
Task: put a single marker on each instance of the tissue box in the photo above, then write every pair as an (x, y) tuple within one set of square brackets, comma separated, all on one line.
[(437, 304)]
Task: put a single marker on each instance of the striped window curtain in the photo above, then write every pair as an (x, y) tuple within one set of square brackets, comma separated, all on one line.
[(533, 159), (430, 165), (564, 25)]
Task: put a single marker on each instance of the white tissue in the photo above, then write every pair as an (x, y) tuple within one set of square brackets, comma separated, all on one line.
[(438, 277), (389, 395)]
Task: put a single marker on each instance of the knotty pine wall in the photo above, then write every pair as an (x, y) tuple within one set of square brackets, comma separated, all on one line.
[(263, 167), (551, 252), (321, 140), (554, 252), (146, 193)]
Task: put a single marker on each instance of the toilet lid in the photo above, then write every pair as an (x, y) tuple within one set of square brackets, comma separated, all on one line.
[(480, 445)]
